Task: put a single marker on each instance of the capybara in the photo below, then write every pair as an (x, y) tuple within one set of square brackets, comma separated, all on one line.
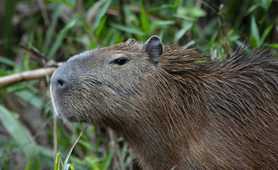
[(177, 109)]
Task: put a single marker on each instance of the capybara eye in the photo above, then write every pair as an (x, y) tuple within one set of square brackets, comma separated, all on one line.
[(119, 61)]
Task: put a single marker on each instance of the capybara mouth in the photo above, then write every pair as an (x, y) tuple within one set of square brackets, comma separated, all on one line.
[(58, 111)]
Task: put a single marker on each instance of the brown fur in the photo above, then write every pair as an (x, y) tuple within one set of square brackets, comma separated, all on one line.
[(188, 113)]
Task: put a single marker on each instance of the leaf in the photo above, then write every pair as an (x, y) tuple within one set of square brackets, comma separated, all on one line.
[(62, 34), (19, 133), (7, 34), (103, 9), (51, 31), (252, 8), (107, 161), (66, 161), (132, 30), (68, 3), (163, 23), (30, 98), (232, 36), (145, 23), (274, 45), (197, 12), (33, 164), (101, 26), (255, 37), (191, 13), (265, 4), (186, 26), (189, 44), (57, 161), (6, 61), (266, 33)]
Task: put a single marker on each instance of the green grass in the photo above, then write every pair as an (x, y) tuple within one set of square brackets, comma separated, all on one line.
[(30, 138)]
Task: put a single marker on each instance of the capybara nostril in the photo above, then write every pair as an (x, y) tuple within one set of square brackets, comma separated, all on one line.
[(60, 79), (61, 83)]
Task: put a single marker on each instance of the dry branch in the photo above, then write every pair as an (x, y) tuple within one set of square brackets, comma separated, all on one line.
[(27, 75)]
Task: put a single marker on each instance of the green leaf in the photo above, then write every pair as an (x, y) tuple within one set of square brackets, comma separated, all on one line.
[(19, 133), (7, 29), (31, 98), (6, 61), (265, 4), (197, 12), (252, 8), (57, 161), (232, 36), (72, 167), (101, 26), (163, 23), (103, 9), (33, 164), (255, 37), (51, 31), (186, 26), (131, 30), (107, 161), (66, 161), (68, 3), (191, 13), (266, 33), (274, 45), (145, 23), (62, 34)]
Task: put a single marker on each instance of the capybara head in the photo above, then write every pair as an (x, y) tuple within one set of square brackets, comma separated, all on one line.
[(93, 84)]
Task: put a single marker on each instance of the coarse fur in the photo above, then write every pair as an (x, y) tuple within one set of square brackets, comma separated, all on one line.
[(184, 112)]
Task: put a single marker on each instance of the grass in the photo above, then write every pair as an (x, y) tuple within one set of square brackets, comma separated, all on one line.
[(30, 138)]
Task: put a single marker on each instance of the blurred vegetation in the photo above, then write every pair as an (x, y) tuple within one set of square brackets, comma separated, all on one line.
[(30, 137)]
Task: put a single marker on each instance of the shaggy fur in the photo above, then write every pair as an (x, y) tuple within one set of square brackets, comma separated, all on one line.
[(184, 112)]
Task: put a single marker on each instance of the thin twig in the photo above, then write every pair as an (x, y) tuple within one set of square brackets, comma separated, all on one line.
[(27, 75)]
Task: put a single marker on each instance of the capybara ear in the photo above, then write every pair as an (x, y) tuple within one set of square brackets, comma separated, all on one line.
[(154, 48)]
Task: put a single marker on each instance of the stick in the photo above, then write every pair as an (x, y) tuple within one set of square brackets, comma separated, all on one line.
[(27, 75)]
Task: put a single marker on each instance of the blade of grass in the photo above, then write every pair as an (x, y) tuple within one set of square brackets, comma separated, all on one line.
[(6, 61), (55, 135), (274, 45), (57, 161), (62, 34), (70, 151), (131, 30), (101, 13), (7, 26), (107, 161), (144, 19), (185, 27), (51, 30), (255, 36), (30, 98), (266, 33), (19, 133)]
